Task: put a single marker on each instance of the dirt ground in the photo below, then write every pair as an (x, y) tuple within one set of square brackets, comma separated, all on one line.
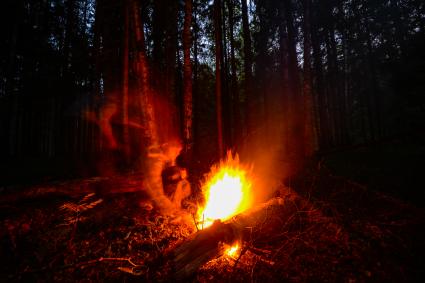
[(105, 229)]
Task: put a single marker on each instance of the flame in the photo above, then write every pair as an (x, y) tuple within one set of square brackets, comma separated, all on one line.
[(226, 190), (232, 251)]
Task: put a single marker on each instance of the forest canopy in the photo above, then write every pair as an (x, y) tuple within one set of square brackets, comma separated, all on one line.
[(305, 76)]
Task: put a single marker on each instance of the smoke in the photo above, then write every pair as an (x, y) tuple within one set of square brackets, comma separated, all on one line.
[(266, 148), (150, 159)]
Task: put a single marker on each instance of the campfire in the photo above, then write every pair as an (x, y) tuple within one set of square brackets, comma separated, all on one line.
[(227, 192)]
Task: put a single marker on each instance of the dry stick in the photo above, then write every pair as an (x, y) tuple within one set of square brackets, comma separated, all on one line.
[(84, 263), (194, 221), (154, 243), (101, 259), (203, 220)]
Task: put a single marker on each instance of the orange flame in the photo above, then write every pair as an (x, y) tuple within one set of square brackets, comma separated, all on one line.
[(232, 251), (227, 191)]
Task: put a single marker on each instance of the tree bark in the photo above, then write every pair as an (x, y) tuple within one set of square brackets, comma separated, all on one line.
[(226, 101), (307, 83), (125, 68), (283, 50), (187, 80), (319, 84), (195, 92), (143, 80), (247, 68), (374, 90), (296, 106), (234, 82), (218, 75), (170, 62)]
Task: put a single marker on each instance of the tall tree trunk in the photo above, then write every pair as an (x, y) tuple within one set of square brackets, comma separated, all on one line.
[(156, 157), (98, 77), (331, 90), (187, 80), (261, 77), (13, 39), (374, 90), (283, 50), (159, 21), (143, 80), (307, 82), (196, 94), (10, 74), (297, 119), (170, 62), (247, 68), (337, 94), (125, 68), (365, 105), (345, 77), (227, 110), (69, 35), (218, 75), (234, 83)]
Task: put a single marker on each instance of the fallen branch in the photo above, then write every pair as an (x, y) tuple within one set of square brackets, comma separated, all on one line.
[(206, 244), (101, 259)]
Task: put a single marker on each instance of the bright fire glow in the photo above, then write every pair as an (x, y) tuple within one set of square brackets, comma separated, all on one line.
[(226, 191), (232, 251)]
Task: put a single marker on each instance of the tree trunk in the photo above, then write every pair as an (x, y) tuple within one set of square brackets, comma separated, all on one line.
[(218, 74), (143, 80), (170, 63), (187, 80), (329, 90), (374, 90), (13, 39), (320, 91), (159, 21), (247, 68), (234, 83), (125, 68), (196, 95), (283, 50), (226, 101), (345, 78), (296, 106), (307, 82)]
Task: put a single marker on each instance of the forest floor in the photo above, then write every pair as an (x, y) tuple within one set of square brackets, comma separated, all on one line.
[(104, 229)]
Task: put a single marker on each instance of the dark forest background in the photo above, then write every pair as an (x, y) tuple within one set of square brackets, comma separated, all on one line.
[(308, 77)]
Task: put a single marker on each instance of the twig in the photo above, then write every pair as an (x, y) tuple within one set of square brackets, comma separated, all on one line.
[(101, 259), (85, 263), (203, 220), (152, 240), (194, 221)]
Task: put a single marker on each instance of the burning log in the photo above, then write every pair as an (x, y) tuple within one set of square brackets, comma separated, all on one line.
[(207, 244), (228, 217), (201, 248)]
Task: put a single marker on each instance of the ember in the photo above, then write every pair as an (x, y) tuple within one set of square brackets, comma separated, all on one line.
[(227, 191), (232, 251)]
